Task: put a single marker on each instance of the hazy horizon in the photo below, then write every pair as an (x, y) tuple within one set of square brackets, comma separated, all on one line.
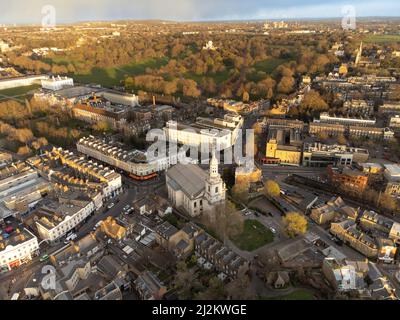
[(19, 12)]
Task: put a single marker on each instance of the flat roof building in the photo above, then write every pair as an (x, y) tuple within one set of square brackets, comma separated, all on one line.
[(321, 155), (57, 83), (219, 132), (18, 248)]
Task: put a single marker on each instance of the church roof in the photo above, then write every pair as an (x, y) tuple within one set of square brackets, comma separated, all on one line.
[(190, 178)]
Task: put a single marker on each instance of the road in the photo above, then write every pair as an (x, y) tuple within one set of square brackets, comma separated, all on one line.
[(285, 170)]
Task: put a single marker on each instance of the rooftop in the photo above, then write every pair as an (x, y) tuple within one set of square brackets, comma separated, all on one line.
[(17, 237), (76, 92), (189, 178)]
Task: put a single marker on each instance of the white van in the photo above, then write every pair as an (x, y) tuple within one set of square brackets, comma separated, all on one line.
[(15, 296), (97, 225), (70, 237)]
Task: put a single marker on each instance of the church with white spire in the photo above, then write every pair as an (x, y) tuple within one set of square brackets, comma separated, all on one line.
[(193, 190)]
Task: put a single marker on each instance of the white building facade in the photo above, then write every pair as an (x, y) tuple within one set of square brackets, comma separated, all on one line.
[(52, 231), (19, 250), (57, 83)]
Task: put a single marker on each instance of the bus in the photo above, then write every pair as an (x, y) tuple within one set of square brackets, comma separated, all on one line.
[(44, 258)]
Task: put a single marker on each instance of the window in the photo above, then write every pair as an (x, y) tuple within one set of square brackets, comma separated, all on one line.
[(216, 189)]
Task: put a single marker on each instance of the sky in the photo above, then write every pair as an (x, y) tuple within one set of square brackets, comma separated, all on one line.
[(69, 11)]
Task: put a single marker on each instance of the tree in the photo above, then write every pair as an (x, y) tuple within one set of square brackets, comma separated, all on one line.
[(215, 290), (395, 94), (295, 224), (265, 88), (341, 139), (388, 202), (313, 103), (285, 85), (226, 221), (257, 128), (323, 136), (40, 142), (246, 96), (189, 88), (170, 87), (102, 126), (184, 280), (272, 189), (24, 135), (228, 175), (240, 288), (240, 190), (24, 150)]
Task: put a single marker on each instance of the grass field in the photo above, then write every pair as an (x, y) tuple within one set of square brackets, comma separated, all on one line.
[(254, 236), (295, 295), (268, 66), (59, 60), (217, 77), (382, 38), (109, 77), (18, 92)]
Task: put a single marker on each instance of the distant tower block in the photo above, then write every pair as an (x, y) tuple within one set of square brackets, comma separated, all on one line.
[(209, 46)]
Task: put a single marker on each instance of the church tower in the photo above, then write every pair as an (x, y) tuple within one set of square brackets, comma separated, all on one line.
[(215, 186), (359, 54)]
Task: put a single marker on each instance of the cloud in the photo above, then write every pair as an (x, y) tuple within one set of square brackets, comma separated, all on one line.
[(22, 11)]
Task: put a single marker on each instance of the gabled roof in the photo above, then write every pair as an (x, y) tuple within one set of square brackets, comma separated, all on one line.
[(189, 178)]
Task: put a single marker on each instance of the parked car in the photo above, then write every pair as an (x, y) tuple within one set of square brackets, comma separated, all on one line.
[(247, 213), (70, 238), (9, 229), (339, 242), (112, 204)]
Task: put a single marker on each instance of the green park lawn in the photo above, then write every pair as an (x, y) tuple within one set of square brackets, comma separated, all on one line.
[(268, 66), (253, 236), (109, 77), (112, 76), (382, 38), (218, 77), (19, 92)]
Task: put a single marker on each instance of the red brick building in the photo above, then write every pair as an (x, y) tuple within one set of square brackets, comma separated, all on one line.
[(348, 179)]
